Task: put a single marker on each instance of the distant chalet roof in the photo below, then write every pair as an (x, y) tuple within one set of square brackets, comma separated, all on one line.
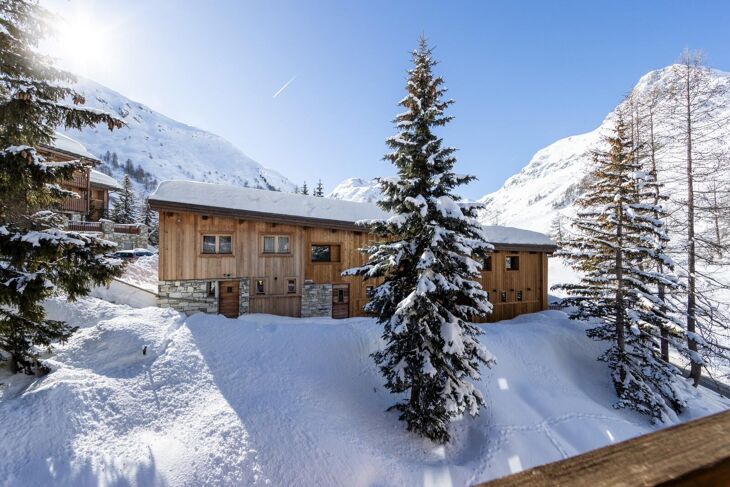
[(98, 178), (67, 145), (298, 209)]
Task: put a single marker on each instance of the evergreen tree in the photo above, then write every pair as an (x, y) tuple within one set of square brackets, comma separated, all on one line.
[(115, 160), (305, 190), (319, 190), (429, 257), (125, 206), (37, 258), (618, 245), (150, 219)]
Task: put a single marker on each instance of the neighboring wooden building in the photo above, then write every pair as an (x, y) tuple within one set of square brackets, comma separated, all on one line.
[(233, 250), (92, 186)]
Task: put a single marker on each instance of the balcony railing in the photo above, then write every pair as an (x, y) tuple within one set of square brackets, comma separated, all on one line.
[(84, 226)]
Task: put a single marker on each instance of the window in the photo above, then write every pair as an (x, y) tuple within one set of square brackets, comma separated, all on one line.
[(209, 244), (210, 289), (291, 286), (519, 295), (325, 253), (260, 286), (503, 296), (369, 292), (217, 244), (276, 244), (512, 263), (340, 295), (487, 263), (224, 244)]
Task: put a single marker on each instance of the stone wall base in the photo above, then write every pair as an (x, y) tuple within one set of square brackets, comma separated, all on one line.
[(316, 300), (187, 296), (191, 296)]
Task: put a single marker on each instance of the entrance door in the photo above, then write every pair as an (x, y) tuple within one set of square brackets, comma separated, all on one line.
[(340, 301), (228, 298)]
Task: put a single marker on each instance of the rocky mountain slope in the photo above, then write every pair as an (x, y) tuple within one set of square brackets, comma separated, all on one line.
[(167, 149)]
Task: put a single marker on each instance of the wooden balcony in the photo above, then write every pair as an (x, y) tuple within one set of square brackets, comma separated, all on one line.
[(696, 453)]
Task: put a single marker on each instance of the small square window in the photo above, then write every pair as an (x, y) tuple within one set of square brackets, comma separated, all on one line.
[(209, 244), (519, 295), (283, 245), (224, 245), (340, 295), (291, 286), (503, 296), (260, 286), (512, 263), (269, 245)]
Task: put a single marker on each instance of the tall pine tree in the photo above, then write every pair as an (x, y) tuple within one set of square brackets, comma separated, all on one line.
[(150, 219), (37, 258), (305, 190), (319, 189), (124, 209), (429, 258), (618, 247)]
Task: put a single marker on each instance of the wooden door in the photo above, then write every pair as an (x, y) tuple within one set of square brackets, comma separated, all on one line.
[(228, 298), (340, 301)]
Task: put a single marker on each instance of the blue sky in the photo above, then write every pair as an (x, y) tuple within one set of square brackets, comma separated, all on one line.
[(523, 74)]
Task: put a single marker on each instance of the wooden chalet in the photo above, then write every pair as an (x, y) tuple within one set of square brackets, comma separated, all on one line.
[(92, 186), (234, 250)]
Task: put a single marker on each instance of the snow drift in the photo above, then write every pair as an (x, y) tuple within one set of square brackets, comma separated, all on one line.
[(283, 401)]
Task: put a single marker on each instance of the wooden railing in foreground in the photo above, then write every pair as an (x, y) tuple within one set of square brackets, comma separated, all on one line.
[(696, 453)]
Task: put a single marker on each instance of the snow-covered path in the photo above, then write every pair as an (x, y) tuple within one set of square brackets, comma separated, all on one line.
[(280, 401)]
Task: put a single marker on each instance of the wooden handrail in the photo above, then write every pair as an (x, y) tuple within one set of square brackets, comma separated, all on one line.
[(695, 453)]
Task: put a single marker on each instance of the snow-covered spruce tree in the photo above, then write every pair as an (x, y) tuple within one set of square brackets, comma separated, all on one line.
[(617, 246), (37, 258), (124, 209), (319, 189), (429, 258), (150, 219), (305, 190)]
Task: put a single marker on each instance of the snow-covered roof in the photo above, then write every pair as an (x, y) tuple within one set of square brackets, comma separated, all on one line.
[(67, 144), (248, 200), (98, 178), (193, 195), (517, 236)]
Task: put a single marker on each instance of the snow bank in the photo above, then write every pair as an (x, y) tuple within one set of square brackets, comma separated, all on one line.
[(285, 401), (142, 272)]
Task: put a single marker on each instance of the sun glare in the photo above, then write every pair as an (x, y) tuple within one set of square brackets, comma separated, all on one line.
[(82, 42)]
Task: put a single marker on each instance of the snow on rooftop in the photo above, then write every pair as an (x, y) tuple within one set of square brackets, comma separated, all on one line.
[(101, 179), (304, 206), (67, 144), (263, 201), (511, 235)]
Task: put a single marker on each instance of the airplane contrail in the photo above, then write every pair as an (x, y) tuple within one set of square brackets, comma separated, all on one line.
[(284, 87)]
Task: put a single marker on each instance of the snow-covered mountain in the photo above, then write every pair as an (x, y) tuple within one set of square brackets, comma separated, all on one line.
[(550, 183), (166, 148), (356, 189)]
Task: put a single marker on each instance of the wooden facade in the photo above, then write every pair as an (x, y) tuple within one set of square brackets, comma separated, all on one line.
[(93, 201), (276, 278)]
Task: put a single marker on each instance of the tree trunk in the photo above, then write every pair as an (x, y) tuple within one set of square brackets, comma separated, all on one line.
[(695, 368), (13, 364), (660, 288), (620, 339)]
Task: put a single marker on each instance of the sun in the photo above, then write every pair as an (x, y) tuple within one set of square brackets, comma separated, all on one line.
[(82, 42)]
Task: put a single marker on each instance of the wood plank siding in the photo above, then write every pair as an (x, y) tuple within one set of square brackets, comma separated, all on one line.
[(276, 274)]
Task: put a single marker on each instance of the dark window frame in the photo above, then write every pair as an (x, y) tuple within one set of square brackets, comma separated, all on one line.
[(512, 263)]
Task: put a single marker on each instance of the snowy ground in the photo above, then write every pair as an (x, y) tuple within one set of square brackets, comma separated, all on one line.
[(282, 401)]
